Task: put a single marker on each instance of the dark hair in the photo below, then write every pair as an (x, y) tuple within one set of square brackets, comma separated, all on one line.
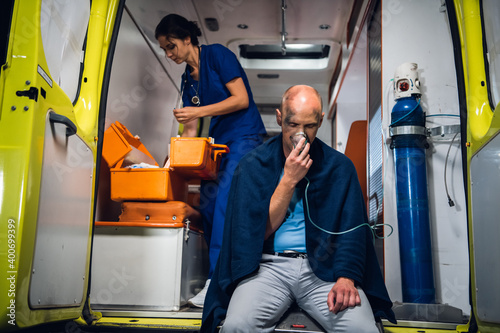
[(176, 26)]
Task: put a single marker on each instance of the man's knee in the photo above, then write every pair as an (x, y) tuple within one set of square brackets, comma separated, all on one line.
[(349, 320), (367, 326), (247, 319), (237, 324), (360, 324)]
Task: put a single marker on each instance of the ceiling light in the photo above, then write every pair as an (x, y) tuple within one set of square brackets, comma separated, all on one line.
[(324, 26), (294, 51), (299, 46), (242, 26)]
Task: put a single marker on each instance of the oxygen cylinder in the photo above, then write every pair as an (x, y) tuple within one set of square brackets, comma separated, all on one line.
[(409, 142)]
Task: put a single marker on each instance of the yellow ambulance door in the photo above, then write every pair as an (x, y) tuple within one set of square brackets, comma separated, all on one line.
[(480, 22), (50, 95)]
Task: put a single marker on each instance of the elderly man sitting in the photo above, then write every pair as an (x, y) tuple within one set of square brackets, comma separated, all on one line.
[(296, 231)]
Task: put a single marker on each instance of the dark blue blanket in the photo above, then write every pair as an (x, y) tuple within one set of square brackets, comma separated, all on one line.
[(335, 203)]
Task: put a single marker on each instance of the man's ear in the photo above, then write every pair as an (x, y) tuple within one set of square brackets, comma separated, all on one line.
[(278, 117), (321, 119)]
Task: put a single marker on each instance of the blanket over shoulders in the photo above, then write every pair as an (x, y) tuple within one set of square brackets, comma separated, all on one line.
[(334, 203)]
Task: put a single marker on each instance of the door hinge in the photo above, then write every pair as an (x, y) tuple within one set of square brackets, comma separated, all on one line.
[(32, 93)]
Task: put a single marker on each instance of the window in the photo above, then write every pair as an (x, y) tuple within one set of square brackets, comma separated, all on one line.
[(5, 19), (63, 26)]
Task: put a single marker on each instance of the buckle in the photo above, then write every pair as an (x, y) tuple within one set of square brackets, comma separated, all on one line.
[(292, 254)]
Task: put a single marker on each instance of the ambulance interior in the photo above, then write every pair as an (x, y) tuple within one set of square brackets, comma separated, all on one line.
[(349, 51)]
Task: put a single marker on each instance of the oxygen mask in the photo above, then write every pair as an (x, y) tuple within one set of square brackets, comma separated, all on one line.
[(295, 138)]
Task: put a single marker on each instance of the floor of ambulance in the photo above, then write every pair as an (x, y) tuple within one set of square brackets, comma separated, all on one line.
[(296, 322)]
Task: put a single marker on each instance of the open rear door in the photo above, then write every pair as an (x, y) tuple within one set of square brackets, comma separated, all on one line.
[(479, 19), (50, 97)]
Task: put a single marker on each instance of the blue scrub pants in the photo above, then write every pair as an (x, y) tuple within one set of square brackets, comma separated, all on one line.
[(214, 195)]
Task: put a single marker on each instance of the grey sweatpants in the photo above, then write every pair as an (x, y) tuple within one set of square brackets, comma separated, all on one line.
[(261, 300)]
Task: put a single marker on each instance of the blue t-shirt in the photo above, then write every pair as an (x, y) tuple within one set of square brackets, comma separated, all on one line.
[(218, 66), (291, 235)]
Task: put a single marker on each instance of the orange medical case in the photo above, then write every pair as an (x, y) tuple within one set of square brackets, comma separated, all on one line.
[(175, 214), (138, 184), (196, 157)]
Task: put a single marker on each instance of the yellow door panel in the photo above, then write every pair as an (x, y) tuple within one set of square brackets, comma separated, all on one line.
[(50, 99)]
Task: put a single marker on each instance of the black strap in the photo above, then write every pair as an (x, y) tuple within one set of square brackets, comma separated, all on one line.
[(289, 254)]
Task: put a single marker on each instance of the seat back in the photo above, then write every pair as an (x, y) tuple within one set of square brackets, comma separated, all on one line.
[(356, 150)]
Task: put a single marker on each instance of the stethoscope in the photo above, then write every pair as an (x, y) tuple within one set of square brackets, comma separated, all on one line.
[(196, 98)]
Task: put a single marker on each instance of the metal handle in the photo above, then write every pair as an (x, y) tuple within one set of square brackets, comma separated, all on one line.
[(223, 147), (218, 151), (58, 118)]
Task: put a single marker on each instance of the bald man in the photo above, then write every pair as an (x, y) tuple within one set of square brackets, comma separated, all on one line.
[(296, 231)]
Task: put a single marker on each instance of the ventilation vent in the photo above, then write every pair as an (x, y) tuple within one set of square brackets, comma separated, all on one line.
[(268, 76)]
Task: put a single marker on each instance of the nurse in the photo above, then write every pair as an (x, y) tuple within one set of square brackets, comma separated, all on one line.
[(213, 85)]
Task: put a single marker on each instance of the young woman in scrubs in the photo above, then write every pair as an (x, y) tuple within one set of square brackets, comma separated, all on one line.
[(213, 85)]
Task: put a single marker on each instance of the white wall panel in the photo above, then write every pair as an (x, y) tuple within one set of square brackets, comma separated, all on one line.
[(352, 97)]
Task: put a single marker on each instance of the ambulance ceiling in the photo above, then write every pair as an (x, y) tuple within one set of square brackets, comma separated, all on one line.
[(305, 23)]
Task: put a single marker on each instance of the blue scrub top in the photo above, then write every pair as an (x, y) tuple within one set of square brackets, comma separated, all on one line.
[(218, 66)]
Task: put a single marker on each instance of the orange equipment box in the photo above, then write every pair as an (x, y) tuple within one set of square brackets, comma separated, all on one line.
[(120, 145), (196, 157), (138, 184), (156, 184)]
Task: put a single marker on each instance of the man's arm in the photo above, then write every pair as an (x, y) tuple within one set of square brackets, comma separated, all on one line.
[(296, 166), (350, 251)]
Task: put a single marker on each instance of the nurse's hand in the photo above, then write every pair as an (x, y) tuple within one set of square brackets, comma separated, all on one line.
[(187, 114)]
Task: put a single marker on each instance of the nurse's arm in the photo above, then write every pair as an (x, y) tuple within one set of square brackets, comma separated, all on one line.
[(236, 102), (190, 129)]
